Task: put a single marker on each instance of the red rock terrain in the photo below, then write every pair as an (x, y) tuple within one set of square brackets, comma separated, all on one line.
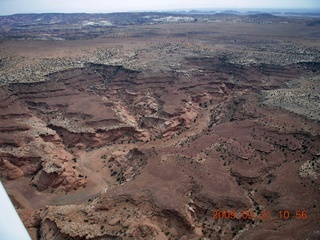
[(31, 150), (213, 147), (101, 151)]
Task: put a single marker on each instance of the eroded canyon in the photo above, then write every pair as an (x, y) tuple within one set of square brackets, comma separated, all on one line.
[(142, 131)]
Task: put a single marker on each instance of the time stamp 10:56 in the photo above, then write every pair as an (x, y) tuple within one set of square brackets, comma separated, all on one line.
[(262, 215)]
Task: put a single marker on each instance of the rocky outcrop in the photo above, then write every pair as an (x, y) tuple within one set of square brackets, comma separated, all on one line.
[(9, 170), (126, 166), (155, 154), (99, 219), (30, 149)]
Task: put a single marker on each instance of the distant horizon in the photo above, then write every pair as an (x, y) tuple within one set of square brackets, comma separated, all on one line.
[(241, 10), (10, 7)]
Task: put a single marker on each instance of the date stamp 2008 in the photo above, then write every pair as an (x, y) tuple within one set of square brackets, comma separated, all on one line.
[(259, 215)]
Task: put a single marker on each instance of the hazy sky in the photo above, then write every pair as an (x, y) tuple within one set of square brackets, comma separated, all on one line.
[(101, 6)]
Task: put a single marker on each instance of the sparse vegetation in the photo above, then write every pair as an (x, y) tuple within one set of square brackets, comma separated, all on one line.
[(156, 132)]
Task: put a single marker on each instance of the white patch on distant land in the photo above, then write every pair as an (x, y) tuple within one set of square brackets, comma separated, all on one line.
[(173, 19)]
